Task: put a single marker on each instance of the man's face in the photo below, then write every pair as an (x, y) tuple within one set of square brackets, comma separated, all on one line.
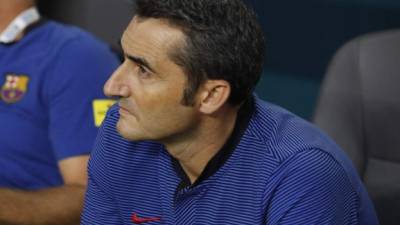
[(150, 85)]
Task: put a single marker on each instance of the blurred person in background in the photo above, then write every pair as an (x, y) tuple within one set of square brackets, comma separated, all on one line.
[(51, 103), (190, 143)]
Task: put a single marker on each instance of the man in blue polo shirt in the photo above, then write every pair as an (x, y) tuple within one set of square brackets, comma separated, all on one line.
[(51, 100), (188, 142)]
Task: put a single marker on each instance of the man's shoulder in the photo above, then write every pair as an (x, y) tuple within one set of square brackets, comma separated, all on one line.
[(64, 32), (54, 36), (278, 136), (278, 127)]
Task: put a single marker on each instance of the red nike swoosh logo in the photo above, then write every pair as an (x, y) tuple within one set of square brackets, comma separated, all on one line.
[(138, 220)]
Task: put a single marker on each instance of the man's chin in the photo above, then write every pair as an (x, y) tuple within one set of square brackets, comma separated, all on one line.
[(128, 134), (124, 132)]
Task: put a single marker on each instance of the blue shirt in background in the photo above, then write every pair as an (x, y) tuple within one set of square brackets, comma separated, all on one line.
[(49, 81)]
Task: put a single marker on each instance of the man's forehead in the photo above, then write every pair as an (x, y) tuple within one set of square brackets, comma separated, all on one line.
[(152, 31), (152, 40)]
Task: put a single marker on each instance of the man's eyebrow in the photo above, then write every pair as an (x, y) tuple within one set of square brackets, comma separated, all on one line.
[(141, 61), (136, 59)]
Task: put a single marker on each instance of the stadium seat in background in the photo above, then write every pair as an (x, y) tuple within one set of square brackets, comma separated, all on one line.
[(359, 106)]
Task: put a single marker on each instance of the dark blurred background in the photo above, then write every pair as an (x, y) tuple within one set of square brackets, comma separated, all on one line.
[(301, 37)]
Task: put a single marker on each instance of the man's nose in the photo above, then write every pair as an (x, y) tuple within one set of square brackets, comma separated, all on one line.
[(115, 85)]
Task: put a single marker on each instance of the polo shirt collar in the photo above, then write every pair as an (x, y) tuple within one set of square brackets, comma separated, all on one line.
[(218, 160)]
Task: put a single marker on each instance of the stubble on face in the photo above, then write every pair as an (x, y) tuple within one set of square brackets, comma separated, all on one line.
[(154, 110)]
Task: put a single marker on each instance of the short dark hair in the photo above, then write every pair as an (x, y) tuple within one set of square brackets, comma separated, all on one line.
[(223, 41)]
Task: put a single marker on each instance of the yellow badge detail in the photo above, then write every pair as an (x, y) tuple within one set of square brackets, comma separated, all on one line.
[(100, 108), (14, 88)]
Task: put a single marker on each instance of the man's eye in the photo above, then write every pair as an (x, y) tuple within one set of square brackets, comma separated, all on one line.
[(143, 72)]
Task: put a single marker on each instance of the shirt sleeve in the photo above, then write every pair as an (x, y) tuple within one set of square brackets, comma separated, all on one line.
[(75, 81), (100, 207), (313, 188)]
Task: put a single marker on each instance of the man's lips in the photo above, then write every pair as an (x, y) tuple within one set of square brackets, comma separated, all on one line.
[(124, 110)]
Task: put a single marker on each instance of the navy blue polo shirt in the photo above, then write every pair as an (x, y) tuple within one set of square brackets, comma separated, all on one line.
[(274, 169)]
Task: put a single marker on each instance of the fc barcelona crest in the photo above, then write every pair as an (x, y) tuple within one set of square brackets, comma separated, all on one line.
[(14, 88)]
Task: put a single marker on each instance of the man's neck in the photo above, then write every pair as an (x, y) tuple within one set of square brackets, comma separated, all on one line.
[(9, 10), (203, 143)]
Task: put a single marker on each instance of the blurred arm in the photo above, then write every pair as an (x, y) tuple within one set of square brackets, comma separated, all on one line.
[(59, 205)]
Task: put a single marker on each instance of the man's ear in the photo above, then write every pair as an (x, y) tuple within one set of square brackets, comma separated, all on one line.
[(213, 95)]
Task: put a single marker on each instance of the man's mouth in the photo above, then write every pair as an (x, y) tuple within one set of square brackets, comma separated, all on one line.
[(123, 110)]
